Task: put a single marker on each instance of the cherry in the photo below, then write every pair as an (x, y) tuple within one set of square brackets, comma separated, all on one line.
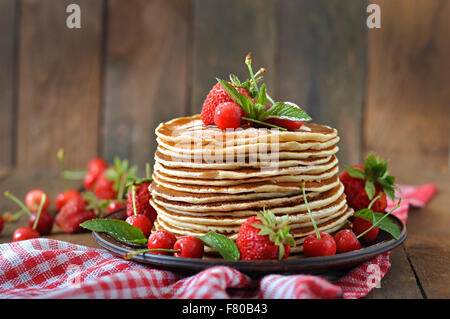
[(161, 239), (141, 222), (88, 181), (346, 241), (228, 115), (33, 200), (64, 197), (96, 166), (45, 223), (25, 233), (115, 205), (189, 247), (360, 225), (1, 223), (314, 246)]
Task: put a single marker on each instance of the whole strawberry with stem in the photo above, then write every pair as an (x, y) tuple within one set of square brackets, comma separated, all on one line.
[(25, 233), (364, 182), (318, 243), (265, 237), (143, 196)]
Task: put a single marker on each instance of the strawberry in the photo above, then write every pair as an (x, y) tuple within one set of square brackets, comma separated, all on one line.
[(263, 237), (216, 96), (143, 206), (104, 187), (364, 182), (73, 214)]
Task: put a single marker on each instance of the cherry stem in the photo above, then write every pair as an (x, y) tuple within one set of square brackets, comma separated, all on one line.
[(38, 215), (264, 123), (133, 194), (18, 202), (131, 255), (310, 214), (379, 221), (68, 175), (373, 201)]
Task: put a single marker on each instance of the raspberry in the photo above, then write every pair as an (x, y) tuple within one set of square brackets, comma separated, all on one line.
[(228, 115), (216, 96)]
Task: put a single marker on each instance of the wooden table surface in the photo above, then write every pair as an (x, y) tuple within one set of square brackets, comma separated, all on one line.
[(420, 267)]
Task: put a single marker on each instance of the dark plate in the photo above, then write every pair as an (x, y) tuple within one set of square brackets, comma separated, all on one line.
[(329, 266)]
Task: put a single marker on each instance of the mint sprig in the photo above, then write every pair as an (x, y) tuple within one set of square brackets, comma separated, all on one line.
[(121, 174), (257, 107), (374, 173), (224, 245), (117, 229)]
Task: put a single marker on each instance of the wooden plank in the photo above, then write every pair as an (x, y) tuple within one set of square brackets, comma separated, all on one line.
[(400, 281), (407, 122), (321, 65), (59, 93), (7, 81), (147, 59), (224, 32)]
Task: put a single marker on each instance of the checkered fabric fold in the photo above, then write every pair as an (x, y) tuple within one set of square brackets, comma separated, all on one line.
[(46, 268)]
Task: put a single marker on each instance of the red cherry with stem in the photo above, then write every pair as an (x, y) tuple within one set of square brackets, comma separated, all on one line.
[(323, 246), (317, 244), (189, 246), (141, 222), (115, 205), (161, 239), (33, 200), (360, 225), (45, 223), (25, 233), (228, 115), (346, 241), (62, 198)]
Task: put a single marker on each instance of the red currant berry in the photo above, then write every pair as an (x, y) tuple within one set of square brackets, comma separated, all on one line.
[(141, 222), (33, 200), (25, 233), (228, 115), (323, 246), (44, 224), (114, 206), (346, 241), (190, 246), (161, 239), (360, 225), (64, 197)]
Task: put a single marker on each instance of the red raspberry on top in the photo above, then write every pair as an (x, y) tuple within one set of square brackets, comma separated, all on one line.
[(216, 96)]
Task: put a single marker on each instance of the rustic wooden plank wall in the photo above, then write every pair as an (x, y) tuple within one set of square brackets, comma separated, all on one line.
[(102, 89)]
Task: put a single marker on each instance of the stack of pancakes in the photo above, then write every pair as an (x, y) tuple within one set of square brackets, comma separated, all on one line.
[(206, 179)]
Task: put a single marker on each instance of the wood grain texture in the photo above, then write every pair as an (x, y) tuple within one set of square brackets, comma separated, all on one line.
[(224, 32), (59, 83), (8, 69), (407, 112), (321, 65), (146, 76)]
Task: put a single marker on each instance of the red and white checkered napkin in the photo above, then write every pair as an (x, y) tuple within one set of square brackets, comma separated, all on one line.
[(45, 268)]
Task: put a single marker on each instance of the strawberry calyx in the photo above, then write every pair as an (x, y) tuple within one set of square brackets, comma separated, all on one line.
[(277, 229), (121, 174), (375, 173)]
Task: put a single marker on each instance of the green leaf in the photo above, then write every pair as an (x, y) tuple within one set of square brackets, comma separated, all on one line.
[(287, 112), (225, 246), (117, 229), (231, 90), (355, 172), (370, 189), (387, 225), (370, 162), (366, 214), (262, 98)]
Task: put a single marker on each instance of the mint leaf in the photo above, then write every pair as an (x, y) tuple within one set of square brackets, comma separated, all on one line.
[(387, 225), (366, 214), (225, 246), (286, 111), (370, 189), (355, 172), (117, 229)]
